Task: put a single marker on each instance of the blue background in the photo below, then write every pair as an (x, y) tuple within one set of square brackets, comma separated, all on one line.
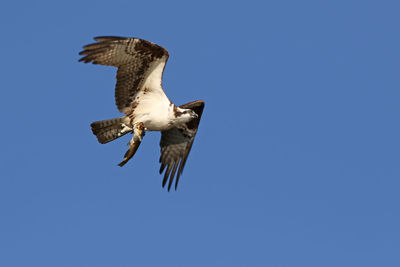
[(296, 162)]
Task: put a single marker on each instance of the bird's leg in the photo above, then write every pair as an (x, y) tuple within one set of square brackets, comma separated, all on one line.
[(139, 132)]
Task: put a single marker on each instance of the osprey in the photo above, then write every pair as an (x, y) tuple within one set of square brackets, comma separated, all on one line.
[(140, 96)]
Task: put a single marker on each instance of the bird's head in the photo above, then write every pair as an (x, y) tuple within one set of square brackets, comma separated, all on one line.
[(192, 114), (185, 115)]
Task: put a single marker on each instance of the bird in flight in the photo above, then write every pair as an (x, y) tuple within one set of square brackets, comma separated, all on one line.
[(140, 96)]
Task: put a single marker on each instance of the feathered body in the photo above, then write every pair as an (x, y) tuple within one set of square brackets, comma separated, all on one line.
[(139, 94)]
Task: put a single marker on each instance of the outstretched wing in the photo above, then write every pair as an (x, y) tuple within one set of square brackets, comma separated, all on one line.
[(140, 64), (176, 144)]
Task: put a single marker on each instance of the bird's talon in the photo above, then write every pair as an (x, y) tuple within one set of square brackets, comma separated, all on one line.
[(125, 129)]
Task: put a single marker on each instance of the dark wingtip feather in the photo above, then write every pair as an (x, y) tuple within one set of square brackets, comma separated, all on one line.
[(177, 178), (107, 38), (170, 182), (167, 172), (171, 178), (165, 180), (162, 167), (85, 59)]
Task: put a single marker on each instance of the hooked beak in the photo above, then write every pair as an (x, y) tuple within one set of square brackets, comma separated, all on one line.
[(194, 116)]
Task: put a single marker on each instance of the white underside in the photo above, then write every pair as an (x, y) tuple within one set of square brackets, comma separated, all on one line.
[(154, 109), (155, 115)]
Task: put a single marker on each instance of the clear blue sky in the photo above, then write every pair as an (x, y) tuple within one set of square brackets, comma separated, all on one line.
[(296, 162)]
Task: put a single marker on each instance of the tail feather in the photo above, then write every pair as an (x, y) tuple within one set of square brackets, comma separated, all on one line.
[(107, 130)]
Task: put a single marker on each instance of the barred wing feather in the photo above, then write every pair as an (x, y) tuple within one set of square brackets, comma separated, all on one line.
[(176, 144), (136, 60)]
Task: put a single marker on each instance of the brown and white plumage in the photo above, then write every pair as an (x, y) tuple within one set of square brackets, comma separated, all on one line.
[(140, 66), (139, 94), (176, 144)]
